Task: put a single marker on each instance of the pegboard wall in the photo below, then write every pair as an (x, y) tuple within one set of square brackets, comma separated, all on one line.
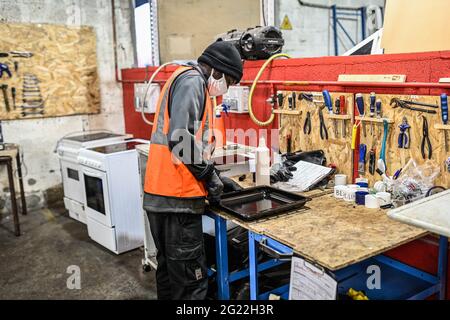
[(55, 74), (337, 147), (397, 158)]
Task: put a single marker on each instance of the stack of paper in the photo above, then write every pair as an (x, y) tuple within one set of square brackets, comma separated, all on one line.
[(305, 177)]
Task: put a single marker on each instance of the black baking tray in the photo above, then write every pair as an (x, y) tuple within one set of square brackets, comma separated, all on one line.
[(258, 202)]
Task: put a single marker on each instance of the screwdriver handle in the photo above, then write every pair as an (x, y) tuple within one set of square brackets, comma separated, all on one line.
[(373, 99), (327, 101), (342, 104), (444, 108), (378, 108), (360, 103), (337, 106)]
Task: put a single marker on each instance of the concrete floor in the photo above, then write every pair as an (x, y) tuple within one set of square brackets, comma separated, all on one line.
[(34, 265)]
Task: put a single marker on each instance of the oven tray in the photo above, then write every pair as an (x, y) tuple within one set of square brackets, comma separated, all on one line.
[(258, 202)]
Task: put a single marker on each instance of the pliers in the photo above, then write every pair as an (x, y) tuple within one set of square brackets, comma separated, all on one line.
[(323, 127), (426, 143), (407, 105), (403, 137), (307, 126)]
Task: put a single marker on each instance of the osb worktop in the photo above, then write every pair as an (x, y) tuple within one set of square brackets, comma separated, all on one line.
[(334, 233)]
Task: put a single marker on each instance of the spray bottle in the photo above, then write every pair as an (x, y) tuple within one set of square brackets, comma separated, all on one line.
[(262, 164)]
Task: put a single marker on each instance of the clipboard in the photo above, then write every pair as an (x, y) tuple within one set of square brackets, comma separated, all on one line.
[(311, 282)]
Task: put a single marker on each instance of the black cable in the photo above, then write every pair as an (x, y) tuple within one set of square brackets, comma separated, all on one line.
[(263, 13)]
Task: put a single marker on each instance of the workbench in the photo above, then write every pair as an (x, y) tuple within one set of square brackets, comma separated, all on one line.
[(342, 239)]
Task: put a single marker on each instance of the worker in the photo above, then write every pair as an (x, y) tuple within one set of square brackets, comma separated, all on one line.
[(179, 176)]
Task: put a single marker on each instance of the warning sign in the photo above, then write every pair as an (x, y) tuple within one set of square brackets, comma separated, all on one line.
[(286, 24)]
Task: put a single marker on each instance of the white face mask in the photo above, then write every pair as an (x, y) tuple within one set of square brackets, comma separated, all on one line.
[(217, 87)]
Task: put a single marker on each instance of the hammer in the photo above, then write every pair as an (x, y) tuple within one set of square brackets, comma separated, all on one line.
[(4, 88)]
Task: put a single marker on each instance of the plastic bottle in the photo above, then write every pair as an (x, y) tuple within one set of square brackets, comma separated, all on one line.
[(262, 164)]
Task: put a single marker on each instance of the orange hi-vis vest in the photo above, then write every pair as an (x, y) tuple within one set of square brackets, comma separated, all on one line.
[(166, 175)]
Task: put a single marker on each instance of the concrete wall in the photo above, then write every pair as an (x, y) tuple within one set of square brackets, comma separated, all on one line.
[(187, 27), (38, 138), (312, 33)]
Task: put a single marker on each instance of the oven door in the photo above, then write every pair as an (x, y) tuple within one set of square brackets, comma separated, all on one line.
[(97, 196), (72, 180)]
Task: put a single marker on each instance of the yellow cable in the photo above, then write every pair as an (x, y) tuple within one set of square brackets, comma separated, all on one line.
[(250, 96)]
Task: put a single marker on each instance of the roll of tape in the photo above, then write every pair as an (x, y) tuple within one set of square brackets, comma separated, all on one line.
[(339, 192), (384, 198), (340, 180), (372, 202), (360, 197), (363, 184), (380, 186)]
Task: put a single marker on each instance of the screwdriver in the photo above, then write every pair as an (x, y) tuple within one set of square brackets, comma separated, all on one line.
[(360, 105), (444, 115), (378, 111), (373, 99), (329, 104), (337, 111), (343, 110)]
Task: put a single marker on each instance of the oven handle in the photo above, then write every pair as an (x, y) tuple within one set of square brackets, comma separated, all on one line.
[(93, 173)]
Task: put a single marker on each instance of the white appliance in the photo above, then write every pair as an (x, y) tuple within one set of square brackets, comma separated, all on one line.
[(112, 193), (68, 149)]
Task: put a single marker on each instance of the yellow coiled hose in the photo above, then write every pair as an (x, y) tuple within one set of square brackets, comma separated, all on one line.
[(250, 96)]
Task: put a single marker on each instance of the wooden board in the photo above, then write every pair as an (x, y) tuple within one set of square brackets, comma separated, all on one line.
[(336, 237), (397, 158), (64, 60), (337, 148)]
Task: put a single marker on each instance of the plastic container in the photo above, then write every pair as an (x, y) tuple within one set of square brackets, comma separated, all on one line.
[(262, 164)]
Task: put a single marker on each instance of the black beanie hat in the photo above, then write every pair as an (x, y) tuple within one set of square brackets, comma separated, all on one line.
[(223, 57)]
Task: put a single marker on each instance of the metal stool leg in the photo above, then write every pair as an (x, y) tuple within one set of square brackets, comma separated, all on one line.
[(22, 192), (13, 197)]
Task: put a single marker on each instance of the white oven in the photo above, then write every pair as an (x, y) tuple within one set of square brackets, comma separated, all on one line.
[(112, 194), (97, 196), (73, 183)]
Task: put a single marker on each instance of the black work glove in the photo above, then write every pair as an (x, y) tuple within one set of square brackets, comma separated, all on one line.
[(214, 187), (282, 172), (316, 157), (229, 185)]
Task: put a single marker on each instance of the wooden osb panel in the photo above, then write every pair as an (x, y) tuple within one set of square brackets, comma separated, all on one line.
[(64, 60), (337, 148), (397, 158)]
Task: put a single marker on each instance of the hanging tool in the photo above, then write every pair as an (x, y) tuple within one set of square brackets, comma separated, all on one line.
[(16, 66), (32, 113), (13, 95), (21, 54), (4, 88), (291, 101), (378, 112), (415, 103), (372, 160), (4, 54), (280, 99), (373, 99), (404, 137), (426, 143), (444, 116), (4, 68), (354, 136), (289, 142), (343, 111), (337, 111), (307, 125), (360, 105), (407, 105), (362, 159), (382, 160), (323, 127), (397, 174), (329, 104)]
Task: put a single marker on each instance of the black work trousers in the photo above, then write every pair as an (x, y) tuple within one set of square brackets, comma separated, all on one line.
[(182, 269)]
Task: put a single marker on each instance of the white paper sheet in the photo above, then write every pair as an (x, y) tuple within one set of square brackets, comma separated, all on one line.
[(310, 283), (307, 175)]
